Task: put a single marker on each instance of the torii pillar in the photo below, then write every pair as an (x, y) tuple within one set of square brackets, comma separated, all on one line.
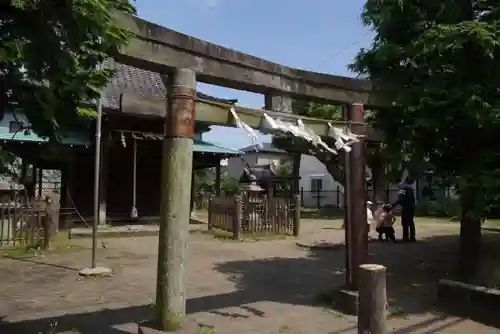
[(356, 228)]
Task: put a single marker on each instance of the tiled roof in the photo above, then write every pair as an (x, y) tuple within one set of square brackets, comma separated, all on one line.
[(138, 81)]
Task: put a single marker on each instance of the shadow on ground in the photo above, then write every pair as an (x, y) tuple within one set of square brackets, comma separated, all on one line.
[(413, 271)]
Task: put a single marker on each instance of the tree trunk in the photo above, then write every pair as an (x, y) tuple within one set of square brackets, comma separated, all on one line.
[(470, 235)]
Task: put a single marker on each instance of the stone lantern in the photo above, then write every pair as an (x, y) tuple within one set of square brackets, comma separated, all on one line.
[(252, 186)]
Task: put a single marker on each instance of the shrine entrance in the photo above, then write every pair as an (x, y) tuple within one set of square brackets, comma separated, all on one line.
[(185, 60)]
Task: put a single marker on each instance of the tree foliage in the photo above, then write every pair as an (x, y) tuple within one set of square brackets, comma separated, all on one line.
[(285, 169), (229, 185), (438, 62), (49, 56), (204, 180)]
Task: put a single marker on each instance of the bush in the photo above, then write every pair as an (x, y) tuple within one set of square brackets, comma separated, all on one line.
[(443, 207)]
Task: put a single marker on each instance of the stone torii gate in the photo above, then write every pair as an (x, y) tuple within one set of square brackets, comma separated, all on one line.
[(187, 60)]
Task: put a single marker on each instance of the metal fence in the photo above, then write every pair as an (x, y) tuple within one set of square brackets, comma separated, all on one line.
[(335, 198)]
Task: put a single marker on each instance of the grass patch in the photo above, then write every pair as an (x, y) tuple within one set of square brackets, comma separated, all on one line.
[(207, 330), (284, 328), (324, 298), (60, 243)]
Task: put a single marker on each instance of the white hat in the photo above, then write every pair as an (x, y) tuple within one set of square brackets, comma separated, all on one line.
[(369, 202)]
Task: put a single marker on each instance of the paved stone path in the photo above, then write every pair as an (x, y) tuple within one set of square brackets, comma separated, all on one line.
[(263, 287)]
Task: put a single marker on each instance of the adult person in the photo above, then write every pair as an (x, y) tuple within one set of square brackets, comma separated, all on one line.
[(406, 198)]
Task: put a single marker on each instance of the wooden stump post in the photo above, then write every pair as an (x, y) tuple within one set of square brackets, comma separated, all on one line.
[(372, 299)]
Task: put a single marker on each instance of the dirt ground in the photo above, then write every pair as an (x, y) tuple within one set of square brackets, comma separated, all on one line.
[(269, 286)]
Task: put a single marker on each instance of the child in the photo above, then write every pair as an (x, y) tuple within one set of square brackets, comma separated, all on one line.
[(385, 221)]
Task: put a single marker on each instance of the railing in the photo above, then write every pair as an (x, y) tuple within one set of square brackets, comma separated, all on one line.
[(254, 213)]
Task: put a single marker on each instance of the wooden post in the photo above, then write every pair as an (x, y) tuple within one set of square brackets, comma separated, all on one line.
[(372, 310), (40, 182), (63, 200), (296, 172), (347, 212), (355, 189), (237, 218), (296, 216), (210, 213), (217, 180), (177, 166), (103, 171)]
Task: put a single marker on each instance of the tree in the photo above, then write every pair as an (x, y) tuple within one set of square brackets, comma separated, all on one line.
[(285, 169), (229, 185), (438, 62), (204, 180), (49, 56), (9, 164)]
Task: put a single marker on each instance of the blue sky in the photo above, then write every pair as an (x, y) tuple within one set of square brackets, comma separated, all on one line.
[(316, 35)]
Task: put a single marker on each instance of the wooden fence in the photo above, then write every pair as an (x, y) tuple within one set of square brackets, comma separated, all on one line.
[(19, 223), (254, 213)]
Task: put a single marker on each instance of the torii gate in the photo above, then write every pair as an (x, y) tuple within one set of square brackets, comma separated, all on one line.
[(188, 60)]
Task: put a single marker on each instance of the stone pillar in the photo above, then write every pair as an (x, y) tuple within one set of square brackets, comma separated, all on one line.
[(355, 192), (283, 103), (177, 170)]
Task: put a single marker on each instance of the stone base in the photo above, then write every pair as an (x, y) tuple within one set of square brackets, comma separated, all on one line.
[(469, 301), (346, 300), (452, 292), (148, 327), (320, 245), (97, 271)]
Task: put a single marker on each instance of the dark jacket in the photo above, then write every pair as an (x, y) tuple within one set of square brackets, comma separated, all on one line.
[(406, 198)]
